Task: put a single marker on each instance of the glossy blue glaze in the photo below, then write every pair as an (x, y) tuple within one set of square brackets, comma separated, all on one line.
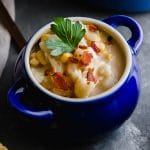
[(136, 30), (122, 5), (99, 115)]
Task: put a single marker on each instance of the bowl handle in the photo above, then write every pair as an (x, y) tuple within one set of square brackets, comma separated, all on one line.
[(15, 93), (136, 31)]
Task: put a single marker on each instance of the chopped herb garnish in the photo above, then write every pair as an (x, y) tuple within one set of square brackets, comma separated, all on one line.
[(69, 33)]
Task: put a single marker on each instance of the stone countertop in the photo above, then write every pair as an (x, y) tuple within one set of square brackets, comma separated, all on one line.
[(134, 134)]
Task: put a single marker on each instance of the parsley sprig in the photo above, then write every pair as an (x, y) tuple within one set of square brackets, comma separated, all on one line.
[(69, 35)]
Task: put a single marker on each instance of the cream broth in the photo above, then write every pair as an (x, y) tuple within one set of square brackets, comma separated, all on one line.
[(116, 68), (95, 65)]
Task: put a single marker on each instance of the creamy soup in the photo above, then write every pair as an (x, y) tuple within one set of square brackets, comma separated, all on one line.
[(94, 66)]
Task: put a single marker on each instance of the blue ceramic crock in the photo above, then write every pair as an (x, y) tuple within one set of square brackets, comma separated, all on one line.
[(97, 114)]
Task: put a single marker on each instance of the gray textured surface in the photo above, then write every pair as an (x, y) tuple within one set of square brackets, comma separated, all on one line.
[(5, 36), (133, 135)]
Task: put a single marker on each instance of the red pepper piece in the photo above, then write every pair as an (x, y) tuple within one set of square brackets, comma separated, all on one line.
[(95, 48)]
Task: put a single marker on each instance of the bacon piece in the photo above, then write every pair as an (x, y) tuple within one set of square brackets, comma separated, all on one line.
[(46, 72), (61, 82), (82, 46), (92, 27), (86, 58), (95, 48), (73, 60), (90, 77)]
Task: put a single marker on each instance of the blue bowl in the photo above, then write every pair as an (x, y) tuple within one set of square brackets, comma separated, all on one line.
[(92, 115), (122, 5)]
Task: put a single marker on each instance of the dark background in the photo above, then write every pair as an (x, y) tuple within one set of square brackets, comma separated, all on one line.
[(19, 135)]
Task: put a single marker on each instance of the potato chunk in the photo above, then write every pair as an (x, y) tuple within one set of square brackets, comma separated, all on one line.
[(92, 36), (2, 147), (65, 93), (105, 70), (73, 71), (34, 62), (82, 89)]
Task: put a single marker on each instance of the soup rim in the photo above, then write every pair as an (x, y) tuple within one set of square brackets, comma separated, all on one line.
[(105, 27)]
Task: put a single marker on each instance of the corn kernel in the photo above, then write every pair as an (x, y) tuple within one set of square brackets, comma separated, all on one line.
[(108, 56), (34, 62), (45, 37), (41, 58), (65, 57)]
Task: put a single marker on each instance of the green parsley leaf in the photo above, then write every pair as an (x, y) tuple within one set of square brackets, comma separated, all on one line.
[(58, 47), (70, 34)]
